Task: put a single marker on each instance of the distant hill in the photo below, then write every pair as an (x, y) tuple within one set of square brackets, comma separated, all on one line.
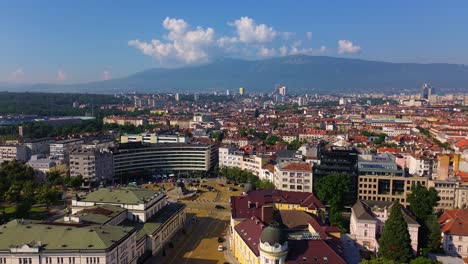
[(300, 73)]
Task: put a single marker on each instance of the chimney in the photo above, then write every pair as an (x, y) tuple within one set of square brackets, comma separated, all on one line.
[(256, 204), (249, 203), (267, 213)]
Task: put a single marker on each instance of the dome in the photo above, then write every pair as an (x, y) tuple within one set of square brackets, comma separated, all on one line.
[(249, 187), (272, 235)]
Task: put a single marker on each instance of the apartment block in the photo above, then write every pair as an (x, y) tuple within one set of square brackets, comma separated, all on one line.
[(293, 176), (95, 166), (61, 149), (13, 152)]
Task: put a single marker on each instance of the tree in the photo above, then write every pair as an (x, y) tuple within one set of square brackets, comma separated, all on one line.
[(331, 189), (74, 182), (271, 140), (48, 195), (395, 242), (422, 201), (433, 228), (295, 144), (54, 178), (23, 208), (422, 260), (378, 261)]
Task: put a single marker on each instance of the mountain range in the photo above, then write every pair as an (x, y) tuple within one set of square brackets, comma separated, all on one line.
[(300, 73)]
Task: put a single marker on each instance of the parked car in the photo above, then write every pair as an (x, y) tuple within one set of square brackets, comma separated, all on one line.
[(219, 207), (220, 248), (220, 239)]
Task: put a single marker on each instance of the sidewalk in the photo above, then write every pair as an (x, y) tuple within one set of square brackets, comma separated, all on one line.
[(227, 252)]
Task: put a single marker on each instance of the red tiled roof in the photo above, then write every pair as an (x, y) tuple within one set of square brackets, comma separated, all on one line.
[(250, 230), (298, 167), (315, 251), (322, 229), (240, 204), (269, 167), (454, 222)]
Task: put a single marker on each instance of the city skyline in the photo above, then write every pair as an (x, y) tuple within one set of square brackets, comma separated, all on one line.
[(88, 41)]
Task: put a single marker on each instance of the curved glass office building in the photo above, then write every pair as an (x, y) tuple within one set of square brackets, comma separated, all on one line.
[(180, 158)]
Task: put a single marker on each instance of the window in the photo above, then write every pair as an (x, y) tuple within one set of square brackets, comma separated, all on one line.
[(459, 250), (365, 233), (460, 238)]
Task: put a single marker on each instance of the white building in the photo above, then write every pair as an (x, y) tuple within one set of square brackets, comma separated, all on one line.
[(233, 158), (293, 176), (421, 165), (61, 149), (13, 152), (454, 227), (368, 220)]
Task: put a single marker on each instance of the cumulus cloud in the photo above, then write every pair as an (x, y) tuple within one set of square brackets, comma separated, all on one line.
[(106, 75), (17, 75), (266, 52), (62, 76), (249, 32), (346, 46), (184, 44)]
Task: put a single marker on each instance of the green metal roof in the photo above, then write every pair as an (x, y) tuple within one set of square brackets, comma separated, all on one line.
[(122, 195), (100, 214), (55, 236), (156, 221)]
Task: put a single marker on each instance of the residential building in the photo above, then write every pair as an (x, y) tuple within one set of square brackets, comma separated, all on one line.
[(293, 176), (37, 146), (125, 120), (42, 166), (454, 227), (368, 220), (95, 166), (61, 149), (13, 152), (234, 158), (271, 226), (421, 165)]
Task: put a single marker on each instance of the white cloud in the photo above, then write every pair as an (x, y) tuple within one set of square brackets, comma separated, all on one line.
[(346, 46), (186, 44), (287, 35), (183, 45), (106, 75), (62, 76), (17, 75), (266, 52), (249, 32), (296, 49)]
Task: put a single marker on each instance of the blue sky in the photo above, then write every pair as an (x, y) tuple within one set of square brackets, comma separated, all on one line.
[(79, 41)]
